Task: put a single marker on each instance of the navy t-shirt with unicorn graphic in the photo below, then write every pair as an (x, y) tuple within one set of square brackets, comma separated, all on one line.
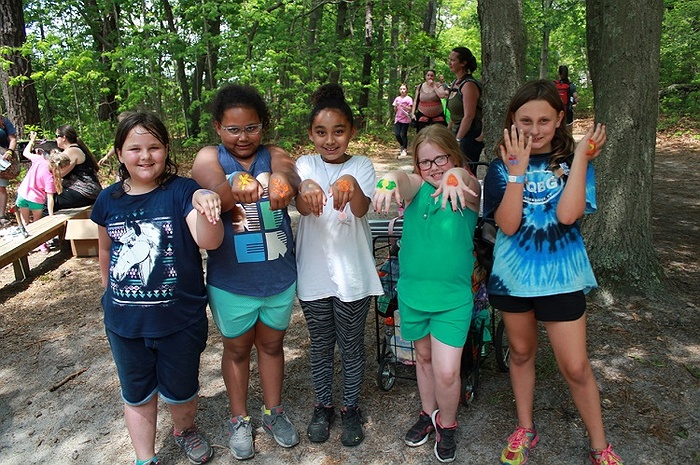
[(156, 279)]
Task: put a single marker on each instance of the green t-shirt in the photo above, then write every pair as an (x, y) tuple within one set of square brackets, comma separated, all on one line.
[(436, 254)]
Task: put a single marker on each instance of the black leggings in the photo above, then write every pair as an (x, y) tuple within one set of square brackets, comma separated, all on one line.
[(70, 199), (401, 133)]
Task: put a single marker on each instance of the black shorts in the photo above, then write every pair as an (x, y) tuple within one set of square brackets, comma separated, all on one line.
[(558, 307)]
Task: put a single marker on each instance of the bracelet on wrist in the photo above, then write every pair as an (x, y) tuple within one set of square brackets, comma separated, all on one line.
[(517, 179)]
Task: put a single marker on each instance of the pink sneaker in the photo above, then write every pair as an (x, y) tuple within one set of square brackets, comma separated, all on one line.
[(519, 445), (605, 457)]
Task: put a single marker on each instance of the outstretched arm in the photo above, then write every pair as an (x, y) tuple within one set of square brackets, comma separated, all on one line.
[(460, 187), (397, 185), (284, 181), (204, 221)]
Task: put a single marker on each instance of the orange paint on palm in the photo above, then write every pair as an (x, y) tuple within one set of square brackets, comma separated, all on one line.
[(452, 180)]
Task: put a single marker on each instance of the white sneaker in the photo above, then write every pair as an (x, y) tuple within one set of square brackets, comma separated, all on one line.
[(403, 154)]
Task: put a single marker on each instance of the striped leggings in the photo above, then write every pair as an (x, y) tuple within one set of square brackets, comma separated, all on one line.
[(330, 320)]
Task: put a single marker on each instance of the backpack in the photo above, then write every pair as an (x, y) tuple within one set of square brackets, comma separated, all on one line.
[(476, 123), (564, 89)]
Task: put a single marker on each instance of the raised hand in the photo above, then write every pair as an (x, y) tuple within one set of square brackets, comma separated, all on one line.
[(592, 143), (515, 151)]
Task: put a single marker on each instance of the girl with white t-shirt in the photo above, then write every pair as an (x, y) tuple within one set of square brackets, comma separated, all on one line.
[(335, 265)]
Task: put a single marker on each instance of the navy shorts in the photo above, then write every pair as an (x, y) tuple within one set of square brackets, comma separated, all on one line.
[(167, 365), (558, 307)]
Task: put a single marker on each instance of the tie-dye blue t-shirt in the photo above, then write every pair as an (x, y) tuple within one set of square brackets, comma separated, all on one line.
[(544, 257)]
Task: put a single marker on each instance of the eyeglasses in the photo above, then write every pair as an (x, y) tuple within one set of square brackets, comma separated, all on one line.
[(236, 131), (440, 160), (59, 135)]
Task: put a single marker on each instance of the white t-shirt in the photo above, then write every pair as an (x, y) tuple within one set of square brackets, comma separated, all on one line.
[(334, 257)]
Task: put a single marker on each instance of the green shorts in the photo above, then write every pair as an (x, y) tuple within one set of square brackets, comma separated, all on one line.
[(24, 203), (235, 314), (449, 326)]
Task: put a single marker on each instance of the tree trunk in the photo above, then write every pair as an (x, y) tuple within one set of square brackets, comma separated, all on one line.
[(105, 35), (340, 35), (429, 27), (502, 61), (546, 32), (365, 78), (624, 41), (18, 90)]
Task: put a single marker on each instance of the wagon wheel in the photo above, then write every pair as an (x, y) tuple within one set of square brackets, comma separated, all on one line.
[(502, 348), (386, 374)]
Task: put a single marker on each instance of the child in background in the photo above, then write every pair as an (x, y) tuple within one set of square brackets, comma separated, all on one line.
[(434, 287), (152, 224), (251, 278), (538, 189), (336, 271), (403, 104), (37, 187)]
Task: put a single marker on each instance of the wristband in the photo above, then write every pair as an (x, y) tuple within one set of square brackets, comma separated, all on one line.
[(517, 179)]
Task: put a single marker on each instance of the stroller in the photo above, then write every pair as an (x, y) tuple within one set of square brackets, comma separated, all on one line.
[(395, 355)]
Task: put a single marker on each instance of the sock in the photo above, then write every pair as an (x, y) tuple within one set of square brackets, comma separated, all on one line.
[(266, 411), (145, 462), (444, 427)]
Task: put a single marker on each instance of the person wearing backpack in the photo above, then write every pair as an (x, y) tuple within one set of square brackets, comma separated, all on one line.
[(567, 94), (464, 104)]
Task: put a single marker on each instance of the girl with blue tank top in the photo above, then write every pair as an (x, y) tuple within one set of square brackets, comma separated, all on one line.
[(251, 278)]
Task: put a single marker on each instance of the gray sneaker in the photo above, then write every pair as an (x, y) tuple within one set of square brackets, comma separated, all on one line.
[(279, 426), (195, 446), (240, 432)]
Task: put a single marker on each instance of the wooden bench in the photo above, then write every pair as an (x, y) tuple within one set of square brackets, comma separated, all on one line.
[(17, 249)]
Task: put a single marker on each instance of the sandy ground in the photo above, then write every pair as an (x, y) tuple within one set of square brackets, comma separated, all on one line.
[(59, 394)]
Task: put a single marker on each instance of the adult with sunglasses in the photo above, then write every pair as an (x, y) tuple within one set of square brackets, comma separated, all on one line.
[(80, 182), (251, 277)]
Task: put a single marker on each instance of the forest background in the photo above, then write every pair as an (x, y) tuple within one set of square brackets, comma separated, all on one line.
[(81, 62)]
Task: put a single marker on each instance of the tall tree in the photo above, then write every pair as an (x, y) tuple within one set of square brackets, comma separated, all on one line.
[(18, 89), (503, 62), (366, 76), (625, 41)]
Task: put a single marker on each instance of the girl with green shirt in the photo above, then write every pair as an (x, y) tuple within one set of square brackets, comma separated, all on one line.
[(434, 287)]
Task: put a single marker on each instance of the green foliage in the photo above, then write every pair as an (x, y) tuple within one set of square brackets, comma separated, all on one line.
[(269, 44)]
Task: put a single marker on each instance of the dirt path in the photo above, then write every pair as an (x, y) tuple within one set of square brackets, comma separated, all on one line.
[(646, 356)]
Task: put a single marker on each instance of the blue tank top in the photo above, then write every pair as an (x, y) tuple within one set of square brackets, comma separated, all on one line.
[(257, 255)]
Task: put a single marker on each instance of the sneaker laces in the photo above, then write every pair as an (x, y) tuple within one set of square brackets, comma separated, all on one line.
[(190, 439), (517, 440), (606, 456)]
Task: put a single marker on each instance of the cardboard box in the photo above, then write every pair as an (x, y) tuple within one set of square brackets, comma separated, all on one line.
[(82, 235)]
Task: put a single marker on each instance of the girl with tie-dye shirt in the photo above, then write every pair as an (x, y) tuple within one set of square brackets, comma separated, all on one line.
[(536, 192)]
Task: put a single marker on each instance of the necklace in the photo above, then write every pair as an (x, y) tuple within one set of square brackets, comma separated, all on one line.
[(342, 216)]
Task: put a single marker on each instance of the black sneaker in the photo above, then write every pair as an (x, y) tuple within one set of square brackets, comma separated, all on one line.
[(445, 446), (352, 426), (420, 432), (319, 429)]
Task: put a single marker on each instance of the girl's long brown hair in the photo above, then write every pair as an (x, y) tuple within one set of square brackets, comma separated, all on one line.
[(563, 141)]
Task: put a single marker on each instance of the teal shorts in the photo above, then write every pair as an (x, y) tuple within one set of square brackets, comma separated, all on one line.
[(24, 203), (235, 314), (449, 326)]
